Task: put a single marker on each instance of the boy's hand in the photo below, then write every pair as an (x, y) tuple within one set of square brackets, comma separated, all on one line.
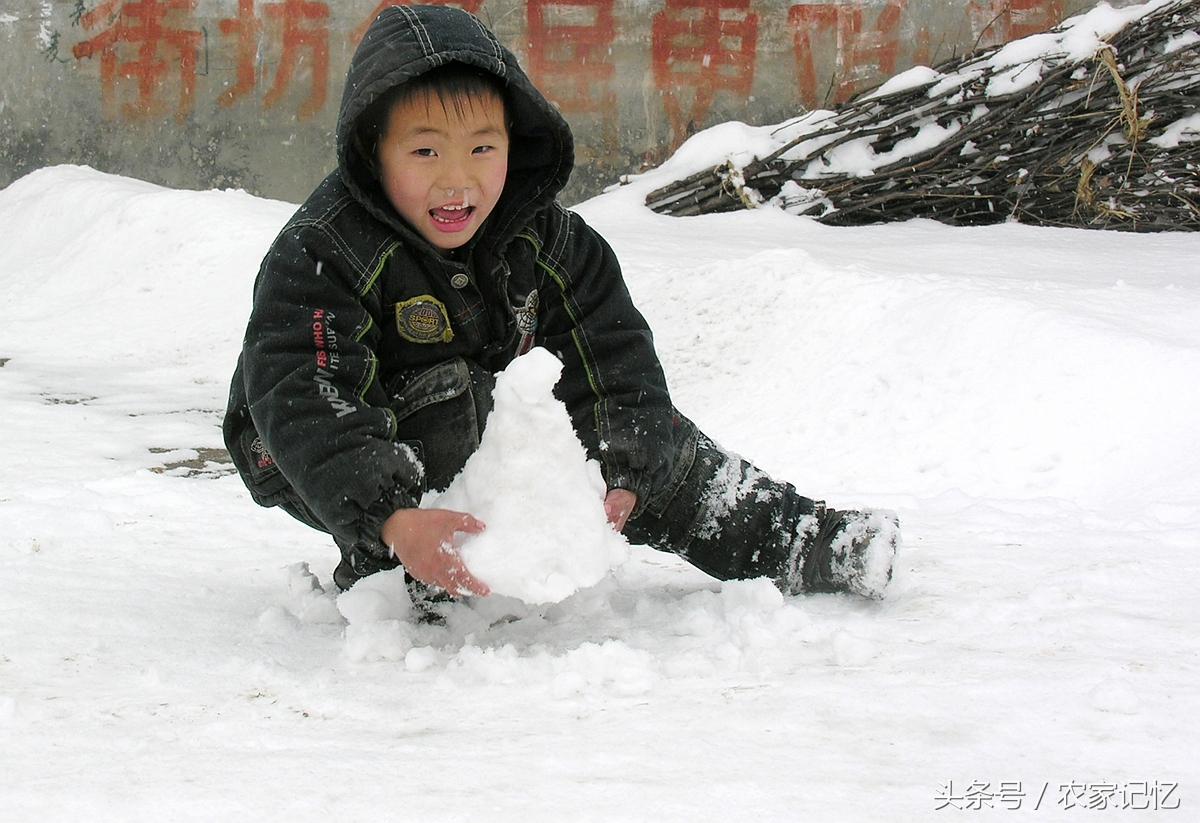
[(618, 505), (423, 541)]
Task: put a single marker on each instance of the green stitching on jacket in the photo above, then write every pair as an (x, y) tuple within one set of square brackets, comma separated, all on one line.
[(370, 324), (576, 337), (533, 241), (369, 377), (378, 269), (373, 361)]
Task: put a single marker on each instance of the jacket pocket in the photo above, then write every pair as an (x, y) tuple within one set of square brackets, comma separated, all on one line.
[(686, 441), (257, 467), (440, 414), (438, 384)]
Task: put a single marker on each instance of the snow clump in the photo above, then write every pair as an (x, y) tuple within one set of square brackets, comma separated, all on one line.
[(532, 484)]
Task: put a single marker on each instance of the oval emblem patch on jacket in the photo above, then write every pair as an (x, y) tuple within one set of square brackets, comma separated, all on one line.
[(423, 319)]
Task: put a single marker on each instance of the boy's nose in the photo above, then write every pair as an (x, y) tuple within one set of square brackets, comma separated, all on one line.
[(453, 176), (452, 186)]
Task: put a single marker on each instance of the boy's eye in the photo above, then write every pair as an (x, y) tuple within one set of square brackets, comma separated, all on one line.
[(484, 149), (425, 152)]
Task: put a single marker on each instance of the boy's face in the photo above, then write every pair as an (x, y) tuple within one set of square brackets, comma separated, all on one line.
[(443, 165)]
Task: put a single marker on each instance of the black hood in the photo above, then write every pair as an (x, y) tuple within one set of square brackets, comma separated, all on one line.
[(407, 41)]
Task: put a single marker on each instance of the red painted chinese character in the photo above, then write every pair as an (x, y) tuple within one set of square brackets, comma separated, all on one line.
[(304, 30), (246, 28), (707, 46), (140, 27), (569, 53), (861, 55), (999, 21), (357, 35)]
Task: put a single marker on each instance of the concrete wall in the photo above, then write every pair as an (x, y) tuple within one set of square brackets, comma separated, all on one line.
[(244, 93)]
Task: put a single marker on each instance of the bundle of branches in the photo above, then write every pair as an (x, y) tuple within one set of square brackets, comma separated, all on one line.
[(1095, 123)]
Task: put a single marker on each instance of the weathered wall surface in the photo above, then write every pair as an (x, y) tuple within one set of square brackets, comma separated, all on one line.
[(244, 93)]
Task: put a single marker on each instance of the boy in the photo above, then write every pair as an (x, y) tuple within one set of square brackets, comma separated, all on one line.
[(434, 255)]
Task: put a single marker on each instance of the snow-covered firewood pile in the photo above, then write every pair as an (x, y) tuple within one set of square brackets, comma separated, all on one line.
[(1095, 123)]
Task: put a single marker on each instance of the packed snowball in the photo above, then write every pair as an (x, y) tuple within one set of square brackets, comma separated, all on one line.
[(531, 482)]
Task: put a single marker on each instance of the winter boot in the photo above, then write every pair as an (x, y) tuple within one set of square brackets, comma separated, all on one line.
[(428, 602), (851, 551), (358, 562)]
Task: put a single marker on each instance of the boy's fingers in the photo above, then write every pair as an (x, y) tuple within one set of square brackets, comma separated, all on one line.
[(469, 525), (459, 579), (463, 582), (618, 505)]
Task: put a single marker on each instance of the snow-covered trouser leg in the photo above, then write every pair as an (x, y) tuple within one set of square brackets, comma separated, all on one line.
[(733, 521), (724, 515)]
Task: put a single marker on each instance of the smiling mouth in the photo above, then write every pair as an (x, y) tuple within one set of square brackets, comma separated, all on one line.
[(451, 216)]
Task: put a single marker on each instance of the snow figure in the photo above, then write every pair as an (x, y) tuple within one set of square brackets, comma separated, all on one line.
[(547, 535)]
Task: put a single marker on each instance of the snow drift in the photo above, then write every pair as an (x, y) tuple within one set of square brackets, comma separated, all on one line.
[(1025, 398)]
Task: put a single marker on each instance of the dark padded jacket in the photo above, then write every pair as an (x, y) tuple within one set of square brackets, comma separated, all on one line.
[(351, 305)]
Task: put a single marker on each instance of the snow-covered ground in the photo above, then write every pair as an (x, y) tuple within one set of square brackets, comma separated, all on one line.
[(1027, 399)]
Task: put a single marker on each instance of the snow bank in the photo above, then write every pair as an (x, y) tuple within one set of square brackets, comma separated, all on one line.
[(1025, 399), (131, 267)]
